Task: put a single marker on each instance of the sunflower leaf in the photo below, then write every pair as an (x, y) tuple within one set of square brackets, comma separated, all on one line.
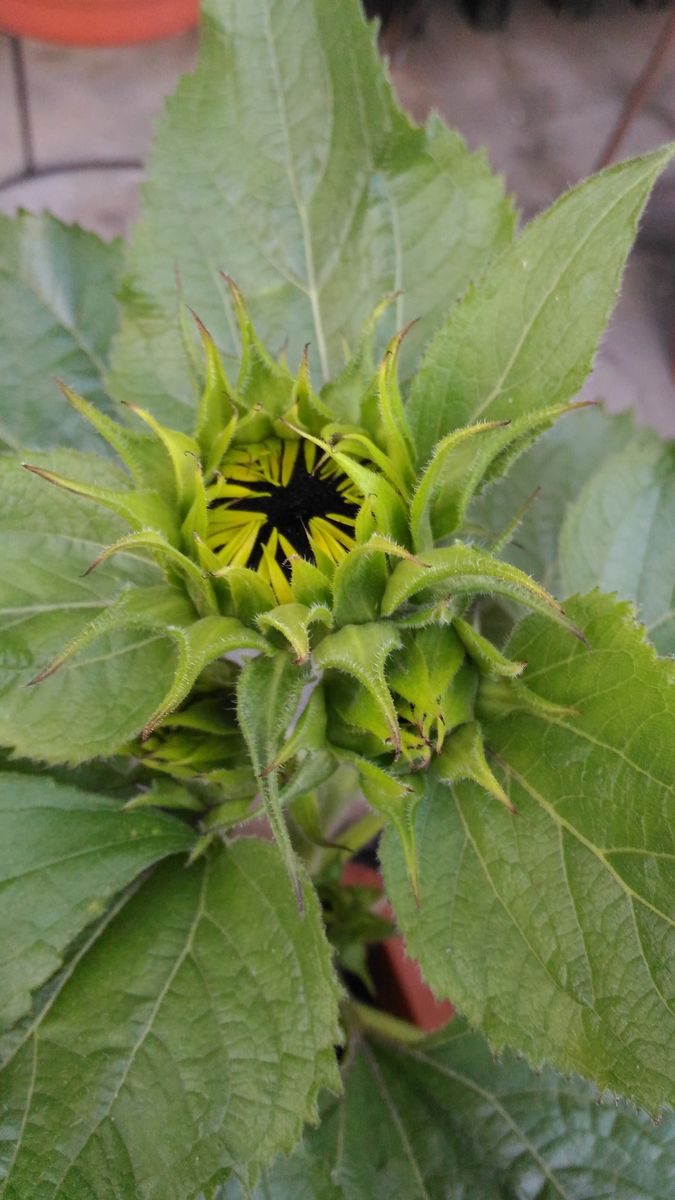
[(330, 206), (57, 285), (618, 534), (525, 336), (221, 1006), (47, 543), (552, 929), (64, 855), (445, 1119)]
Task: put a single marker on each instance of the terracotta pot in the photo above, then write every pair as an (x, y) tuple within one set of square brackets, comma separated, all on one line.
[(401, 990), (97, 22)]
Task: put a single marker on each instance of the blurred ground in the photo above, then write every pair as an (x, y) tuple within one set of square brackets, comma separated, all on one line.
[(543, 96)]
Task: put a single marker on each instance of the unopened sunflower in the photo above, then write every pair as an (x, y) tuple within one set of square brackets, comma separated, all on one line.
[(302, 529)]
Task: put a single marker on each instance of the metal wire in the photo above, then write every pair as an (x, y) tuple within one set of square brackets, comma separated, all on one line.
[(30, 168)]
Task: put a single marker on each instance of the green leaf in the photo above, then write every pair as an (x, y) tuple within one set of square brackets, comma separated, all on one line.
[(557, 468), (554, 929), (48, 539), (64, 855), (303, 1176), (524, 337), (317, 210), (444, 1121), (59, 314), (193, 1032), (620, 534)]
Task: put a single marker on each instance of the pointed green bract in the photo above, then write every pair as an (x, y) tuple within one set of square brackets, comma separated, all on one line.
[(487, 657), (293, 621), (164, 612), (462, 570), (426, 665), (198, 646), (547, 481), (463, 757), (268, 693), (158, 608), (432, 480), (361, 651), (198, 585), (141, 509), (358, 586)]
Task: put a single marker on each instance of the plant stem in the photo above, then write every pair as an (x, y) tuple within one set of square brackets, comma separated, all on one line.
[(640, 91), (381, 1024)]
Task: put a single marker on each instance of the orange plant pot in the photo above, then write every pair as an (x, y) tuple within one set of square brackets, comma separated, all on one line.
[(97, 22), (401, 990)]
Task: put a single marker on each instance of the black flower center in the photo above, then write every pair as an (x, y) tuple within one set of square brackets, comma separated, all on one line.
[(289, 509)]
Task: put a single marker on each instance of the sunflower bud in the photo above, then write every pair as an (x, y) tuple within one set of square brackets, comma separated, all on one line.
[(303, 525)]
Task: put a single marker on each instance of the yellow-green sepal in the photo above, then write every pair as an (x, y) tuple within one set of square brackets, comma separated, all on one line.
[(397, 798), (182, 451), (489, 660), (217, 407), (361, 651), (262, 382), (141, 509), (173, 561), (395, 430), (463, 757), (309, 585), (293, 622)]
